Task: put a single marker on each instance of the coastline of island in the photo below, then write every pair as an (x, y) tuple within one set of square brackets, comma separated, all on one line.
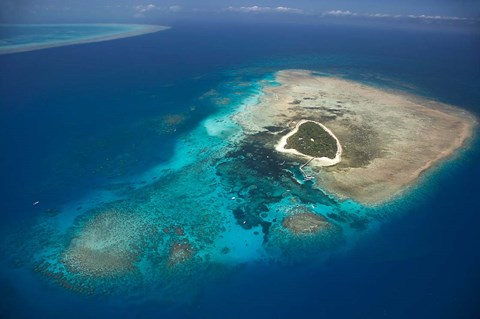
[(319, 161)]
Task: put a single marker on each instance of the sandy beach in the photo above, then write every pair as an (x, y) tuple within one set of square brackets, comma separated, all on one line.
[(388, 138)]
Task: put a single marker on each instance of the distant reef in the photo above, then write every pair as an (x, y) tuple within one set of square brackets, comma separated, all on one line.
[(57, 35)]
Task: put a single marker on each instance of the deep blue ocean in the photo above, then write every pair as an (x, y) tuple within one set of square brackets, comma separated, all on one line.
[(74, 119)]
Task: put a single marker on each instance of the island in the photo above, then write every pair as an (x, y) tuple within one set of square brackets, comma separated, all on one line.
[(312, 140), (29, 37), (383, 140)]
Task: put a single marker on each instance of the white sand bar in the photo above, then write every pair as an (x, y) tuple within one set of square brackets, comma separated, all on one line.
[(388, 138)]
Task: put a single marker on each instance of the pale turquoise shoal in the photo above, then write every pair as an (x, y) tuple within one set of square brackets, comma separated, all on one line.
[(28, 37)]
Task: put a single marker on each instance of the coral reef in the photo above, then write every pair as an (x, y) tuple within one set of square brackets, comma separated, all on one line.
[(305, 223), (107, 246)]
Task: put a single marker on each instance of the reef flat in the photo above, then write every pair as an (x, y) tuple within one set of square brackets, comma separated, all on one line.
[(388, 138), (43, 36)]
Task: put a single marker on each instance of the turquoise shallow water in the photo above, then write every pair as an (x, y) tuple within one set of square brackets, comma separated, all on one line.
[(143, 157), (15, 38)]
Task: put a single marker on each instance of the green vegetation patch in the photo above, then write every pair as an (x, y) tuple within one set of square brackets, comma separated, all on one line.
[(311, 139)]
